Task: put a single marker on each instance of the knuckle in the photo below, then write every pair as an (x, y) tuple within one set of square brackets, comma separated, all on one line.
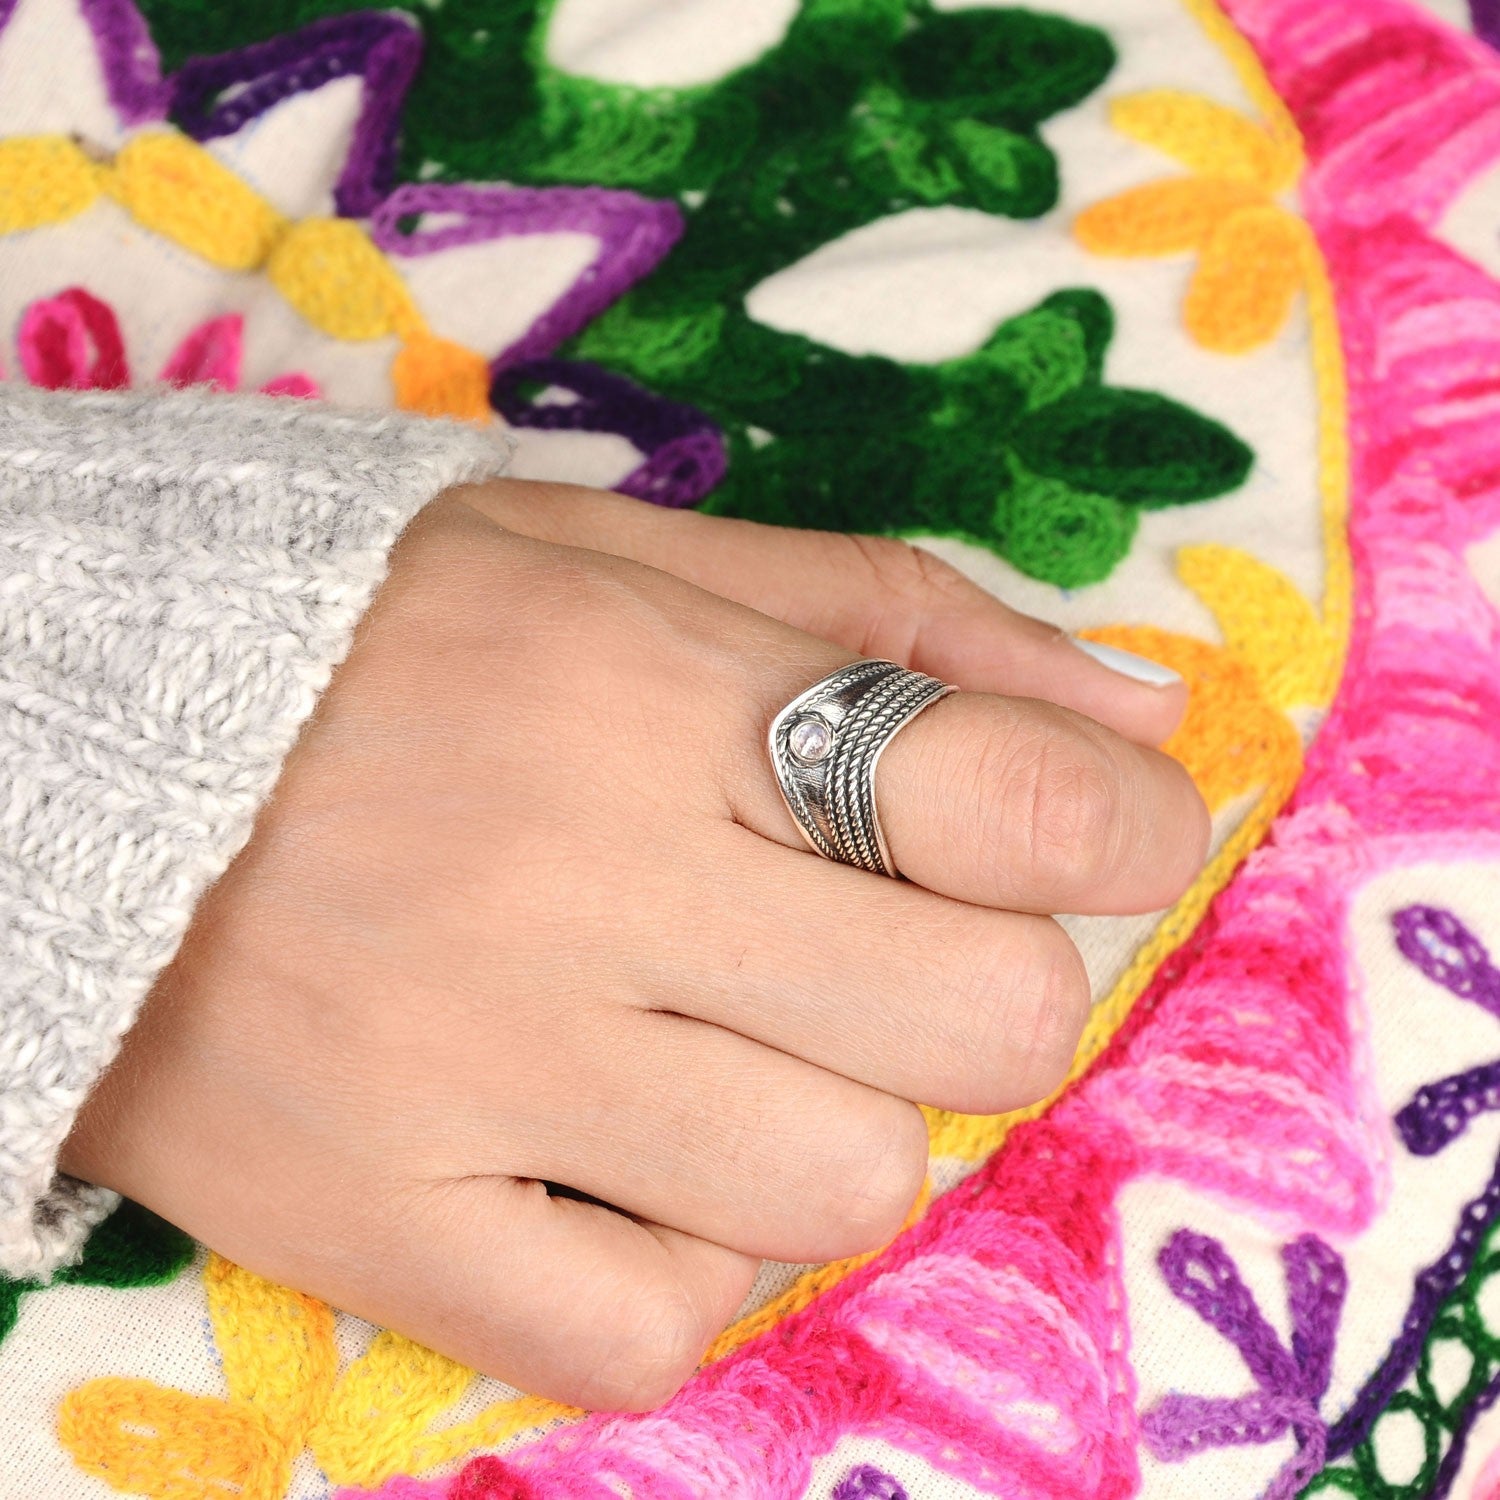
[(1068, 821), (657, 1342), (875, 1192), (906, 570), (1046, 1019), (1019, 1010)]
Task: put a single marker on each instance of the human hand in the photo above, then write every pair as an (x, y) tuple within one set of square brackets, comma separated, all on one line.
[(527, 907)]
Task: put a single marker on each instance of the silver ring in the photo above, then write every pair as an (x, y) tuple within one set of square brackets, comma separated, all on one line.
[(824, 748)]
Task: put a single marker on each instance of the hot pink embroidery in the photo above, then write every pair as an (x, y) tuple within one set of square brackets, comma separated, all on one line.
[(73, 342)]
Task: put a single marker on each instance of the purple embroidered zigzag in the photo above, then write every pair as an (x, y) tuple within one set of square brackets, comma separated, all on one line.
[(217, 96)]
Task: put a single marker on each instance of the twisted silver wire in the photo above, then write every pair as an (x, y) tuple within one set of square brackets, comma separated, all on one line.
[(832, 799)]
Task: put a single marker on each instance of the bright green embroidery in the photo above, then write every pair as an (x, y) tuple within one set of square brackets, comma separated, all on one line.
[(131, 1248)]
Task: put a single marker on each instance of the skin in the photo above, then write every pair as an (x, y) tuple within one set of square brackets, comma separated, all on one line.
[(526, 907)]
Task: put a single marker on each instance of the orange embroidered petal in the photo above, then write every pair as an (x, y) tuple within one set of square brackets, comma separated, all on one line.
[(175, 188), (1159, 218), (1249, 272), (1209, 139), (277, 1347), (1232, 739), (331, 272), (441, 379), (167, 1445), (43, 180)]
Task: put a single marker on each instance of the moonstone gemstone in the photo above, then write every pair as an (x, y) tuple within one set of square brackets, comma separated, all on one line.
[(810, 739)]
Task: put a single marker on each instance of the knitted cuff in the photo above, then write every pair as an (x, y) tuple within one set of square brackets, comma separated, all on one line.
[(179, 575)]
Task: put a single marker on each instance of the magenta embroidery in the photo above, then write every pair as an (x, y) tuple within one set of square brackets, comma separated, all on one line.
[(72, 342), (1290, 1382), (209, 355)]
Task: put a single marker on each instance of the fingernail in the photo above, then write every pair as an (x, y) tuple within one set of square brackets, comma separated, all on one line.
[(1128, 664)]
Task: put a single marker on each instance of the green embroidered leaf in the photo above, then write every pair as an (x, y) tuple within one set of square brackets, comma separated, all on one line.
[(10, 1306), (130, 1248), (1061, 535), (1133, 445), (1012, 65), (1001, 171), (1052, 349)]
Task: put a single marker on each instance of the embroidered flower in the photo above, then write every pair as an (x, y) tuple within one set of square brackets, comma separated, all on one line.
[(285, 1393), (73, 342), (223, 186), (1253, 254), (1291, 1377)]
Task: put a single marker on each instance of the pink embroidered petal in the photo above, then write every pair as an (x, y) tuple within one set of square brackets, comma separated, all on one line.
[(210, 355), (293, 384), (72, 342)]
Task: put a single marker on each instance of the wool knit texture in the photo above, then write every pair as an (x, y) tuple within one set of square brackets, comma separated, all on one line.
[(179, 575)]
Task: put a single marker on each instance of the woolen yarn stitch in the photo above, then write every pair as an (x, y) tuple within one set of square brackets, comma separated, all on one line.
[(180, 573)]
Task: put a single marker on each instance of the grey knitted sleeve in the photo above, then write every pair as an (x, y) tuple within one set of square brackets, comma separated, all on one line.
[(180, 572)]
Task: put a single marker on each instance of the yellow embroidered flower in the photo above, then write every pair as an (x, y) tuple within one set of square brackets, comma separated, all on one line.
[(1252, 252), (329, 270), (285, 1394)]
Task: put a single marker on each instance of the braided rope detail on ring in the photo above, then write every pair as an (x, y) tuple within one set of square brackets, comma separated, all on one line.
[(850, 793)]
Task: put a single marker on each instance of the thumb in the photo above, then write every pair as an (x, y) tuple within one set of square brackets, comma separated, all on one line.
[(873, 595)]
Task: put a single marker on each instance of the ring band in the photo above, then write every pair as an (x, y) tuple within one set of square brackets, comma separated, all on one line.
[(825, 745)]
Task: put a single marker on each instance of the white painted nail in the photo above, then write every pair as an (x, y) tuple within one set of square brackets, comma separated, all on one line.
[(1128, 664)]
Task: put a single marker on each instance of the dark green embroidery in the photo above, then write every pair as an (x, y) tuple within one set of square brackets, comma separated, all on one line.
[(131, 1248), (1019, 447), (866, 108)]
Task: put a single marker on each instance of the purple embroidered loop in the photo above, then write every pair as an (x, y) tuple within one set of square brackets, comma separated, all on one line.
[(1292, 1383), (127, 57), (1440, 1112), (866, 1482), (1485, 14), (634, 233), (216, 96), (684, 455), (1448, 954)]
